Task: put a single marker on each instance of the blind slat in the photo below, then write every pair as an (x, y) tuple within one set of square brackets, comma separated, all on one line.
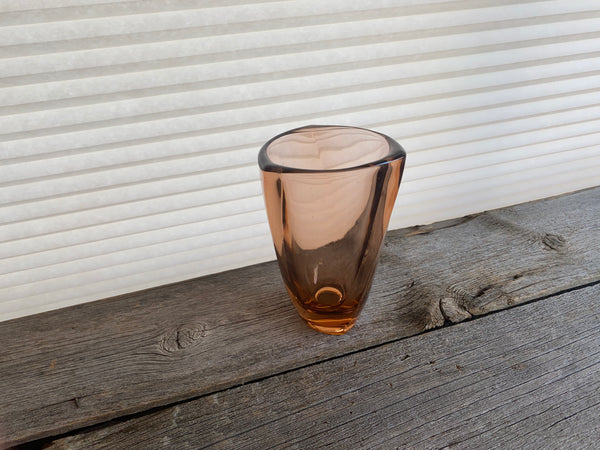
[(423, 164), (456, 34), (215, 101), (463, 11), (160, 127), (452, 129)]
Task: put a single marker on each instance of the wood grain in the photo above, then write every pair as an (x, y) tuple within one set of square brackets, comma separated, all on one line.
[(524, 377), (66, 369)]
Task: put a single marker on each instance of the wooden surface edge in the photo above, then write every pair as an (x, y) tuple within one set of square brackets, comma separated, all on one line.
[(96, 362)]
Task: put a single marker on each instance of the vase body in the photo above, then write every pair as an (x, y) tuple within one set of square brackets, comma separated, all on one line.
[(329, 193)]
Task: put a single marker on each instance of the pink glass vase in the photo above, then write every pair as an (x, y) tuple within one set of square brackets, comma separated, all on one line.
[(329, 193)]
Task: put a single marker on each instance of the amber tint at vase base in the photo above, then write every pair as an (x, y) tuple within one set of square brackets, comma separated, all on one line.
[(329, 194), (329, 312)]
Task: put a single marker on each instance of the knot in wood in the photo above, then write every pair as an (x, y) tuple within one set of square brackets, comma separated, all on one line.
[(453, 311), (184, 336), (553, 242)]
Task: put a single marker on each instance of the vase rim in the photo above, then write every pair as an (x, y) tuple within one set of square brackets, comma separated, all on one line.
[(395, 152)]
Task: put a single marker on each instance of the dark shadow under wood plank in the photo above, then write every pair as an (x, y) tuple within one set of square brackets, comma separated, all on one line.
[(527, 376), (82, 365)]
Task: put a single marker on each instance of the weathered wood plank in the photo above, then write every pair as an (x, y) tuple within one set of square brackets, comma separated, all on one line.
[(66, 369), (526, 377)]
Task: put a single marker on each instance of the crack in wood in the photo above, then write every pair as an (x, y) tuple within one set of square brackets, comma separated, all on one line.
[(483, 290), (570, 416), (452, 311), (435, 317), (426, 229)]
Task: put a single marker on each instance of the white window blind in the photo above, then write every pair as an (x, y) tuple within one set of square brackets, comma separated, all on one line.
[(129, 130)]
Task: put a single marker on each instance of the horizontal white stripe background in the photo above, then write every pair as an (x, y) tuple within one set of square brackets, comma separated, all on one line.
[(129, 130)]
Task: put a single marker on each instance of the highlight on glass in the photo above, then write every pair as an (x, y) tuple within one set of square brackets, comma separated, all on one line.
[(329, 193)]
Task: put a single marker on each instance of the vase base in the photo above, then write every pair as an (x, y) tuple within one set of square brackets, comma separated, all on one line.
[(336, 327)]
